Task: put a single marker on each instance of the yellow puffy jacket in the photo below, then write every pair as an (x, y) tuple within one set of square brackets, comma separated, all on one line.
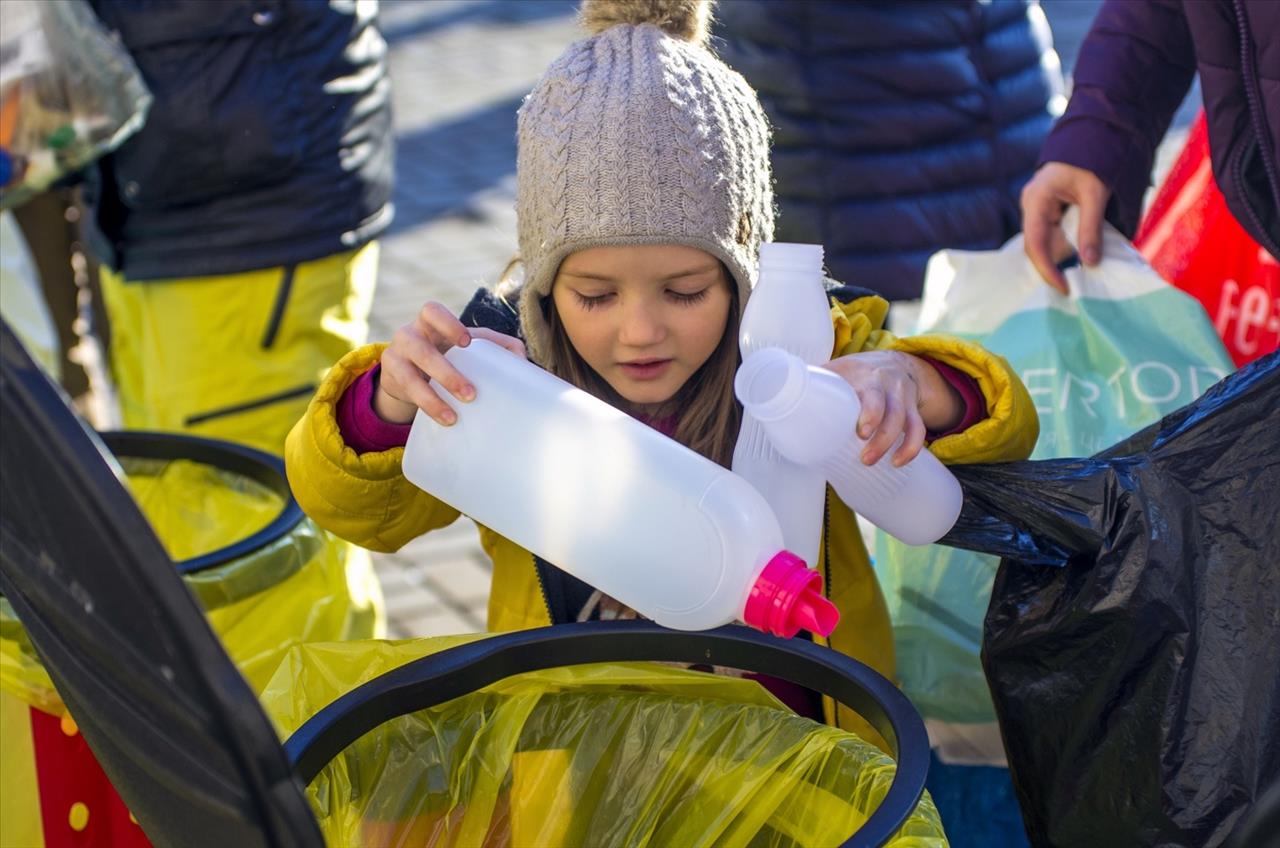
[(365, 498)]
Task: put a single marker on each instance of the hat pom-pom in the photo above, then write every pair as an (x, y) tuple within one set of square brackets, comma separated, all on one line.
[(688, 20)]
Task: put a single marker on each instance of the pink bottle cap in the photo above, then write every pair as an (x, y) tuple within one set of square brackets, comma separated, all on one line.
[(787, 598)]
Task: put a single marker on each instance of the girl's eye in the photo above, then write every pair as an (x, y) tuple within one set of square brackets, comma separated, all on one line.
[(689, 299), (592, 301)]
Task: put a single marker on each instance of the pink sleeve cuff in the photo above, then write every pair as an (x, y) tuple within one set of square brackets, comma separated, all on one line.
[(975, 405), (361, 428)]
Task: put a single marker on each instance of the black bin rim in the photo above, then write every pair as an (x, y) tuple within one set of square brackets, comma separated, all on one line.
[(454, 672), (259, 466)]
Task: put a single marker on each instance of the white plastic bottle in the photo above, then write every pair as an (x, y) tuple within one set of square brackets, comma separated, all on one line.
[(613, 502), (810, 415), (788, 309)]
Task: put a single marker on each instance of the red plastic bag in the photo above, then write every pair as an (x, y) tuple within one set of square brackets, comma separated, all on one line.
[(1190, 236)]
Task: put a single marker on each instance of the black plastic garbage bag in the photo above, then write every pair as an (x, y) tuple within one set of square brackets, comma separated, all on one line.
[(1132, 644)]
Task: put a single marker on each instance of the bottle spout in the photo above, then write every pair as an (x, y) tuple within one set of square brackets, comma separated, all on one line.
[(816, 614), (787, 598)]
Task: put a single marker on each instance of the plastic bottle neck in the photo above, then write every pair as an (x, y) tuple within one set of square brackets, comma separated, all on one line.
[(791, 258), (787, 598), (771, 383)]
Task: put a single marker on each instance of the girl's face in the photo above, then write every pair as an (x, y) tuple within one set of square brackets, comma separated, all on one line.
[(644, 317)]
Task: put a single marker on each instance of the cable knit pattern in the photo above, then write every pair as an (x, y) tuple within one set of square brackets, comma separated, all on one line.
[(636, 136), (547, 123), (605, 200)]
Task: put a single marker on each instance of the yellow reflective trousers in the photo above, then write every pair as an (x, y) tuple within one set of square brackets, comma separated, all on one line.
[(236, 356)]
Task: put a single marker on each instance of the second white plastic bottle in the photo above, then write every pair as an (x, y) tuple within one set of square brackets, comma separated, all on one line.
[(788, 309), (615, 503), (810, 415)]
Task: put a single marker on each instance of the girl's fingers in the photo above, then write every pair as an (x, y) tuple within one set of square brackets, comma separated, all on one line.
[(443, 327), (415, 368), (425, 398), (433, 364), (872, 400), (403, 380), (913, 442), (891, 427), (913, 429), (510, 343)]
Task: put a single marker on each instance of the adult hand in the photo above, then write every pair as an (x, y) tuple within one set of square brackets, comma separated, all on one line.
[(414, 362), (901, 395), (1044, 199)]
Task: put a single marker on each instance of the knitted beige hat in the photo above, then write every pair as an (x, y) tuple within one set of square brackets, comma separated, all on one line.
[(639, 135)]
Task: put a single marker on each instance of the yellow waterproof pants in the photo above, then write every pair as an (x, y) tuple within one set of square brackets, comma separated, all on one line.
[(236, 356)]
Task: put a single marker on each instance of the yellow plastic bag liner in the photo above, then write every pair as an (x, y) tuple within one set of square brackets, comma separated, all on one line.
[(301, 587), (614, 754)]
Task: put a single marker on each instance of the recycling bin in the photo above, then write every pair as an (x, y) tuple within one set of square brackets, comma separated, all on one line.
[(266, 576), (547, 737)]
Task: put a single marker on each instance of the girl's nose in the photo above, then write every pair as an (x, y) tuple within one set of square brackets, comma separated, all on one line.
[(641, 327)]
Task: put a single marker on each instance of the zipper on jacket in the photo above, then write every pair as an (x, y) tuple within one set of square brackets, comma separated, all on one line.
[(1237, 170), (826, 543), (277, 309), (826, 590), (542, 588), (1261, 132), (222, 412)]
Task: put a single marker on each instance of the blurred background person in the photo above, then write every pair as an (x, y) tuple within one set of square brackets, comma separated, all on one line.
[(1135, 67), (900, 128), (236, 228)]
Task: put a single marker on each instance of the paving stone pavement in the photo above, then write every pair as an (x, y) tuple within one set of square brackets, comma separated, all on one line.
[(459, 69)]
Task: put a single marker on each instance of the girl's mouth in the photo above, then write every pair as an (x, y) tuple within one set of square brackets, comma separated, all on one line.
[(645, 369)]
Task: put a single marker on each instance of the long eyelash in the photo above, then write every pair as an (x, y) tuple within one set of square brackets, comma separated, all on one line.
[(690, 299), (590, 302)]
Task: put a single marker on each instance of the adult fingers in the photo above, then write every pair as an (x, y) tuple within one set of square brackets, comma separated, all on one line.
[(1093, 205), (1041, 216)]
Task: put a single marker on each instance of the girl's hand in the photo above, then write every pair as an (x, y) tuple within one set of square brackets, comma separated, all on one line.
[(414, 362), (901, 395)]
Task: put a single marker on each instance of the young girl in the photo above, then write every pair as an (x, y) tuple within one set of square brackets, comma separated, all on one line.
[(643, 194)]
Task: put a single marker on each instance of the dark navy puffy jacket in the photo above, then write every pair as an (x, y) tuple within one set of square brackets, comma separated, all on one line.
[(900, 128)]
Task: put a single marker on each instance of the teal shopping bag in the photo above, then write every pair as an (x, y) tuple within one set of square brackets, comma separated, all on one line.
[(1116, 354)]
